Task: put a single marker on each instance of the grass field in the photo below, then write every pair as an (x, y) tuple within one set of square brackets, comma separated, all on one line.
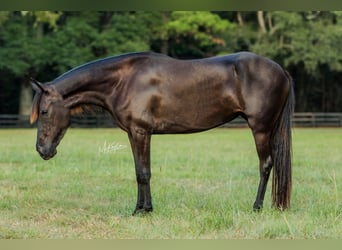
[(203, 186)]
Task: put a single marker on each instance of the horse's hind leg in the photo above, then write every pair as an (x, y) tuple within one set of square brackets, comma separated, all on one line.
[(262, 141)]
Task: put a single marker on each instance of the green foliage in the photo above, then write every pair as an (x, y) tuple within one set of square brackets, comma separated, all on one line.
[(312, 39), (201, 31), (18, 52), (317, 43), (48, 17), (71, 44), (126, 32)]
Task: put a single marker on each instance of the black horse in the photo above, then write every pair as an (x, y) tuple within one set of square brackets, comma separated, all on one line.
[(149, 93)]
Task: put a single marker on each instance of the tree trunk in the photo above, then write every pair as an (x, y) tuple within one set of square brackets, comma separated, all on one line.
[(261, 21), (239, 18), (165, 43), (25, 88), (25, 98)]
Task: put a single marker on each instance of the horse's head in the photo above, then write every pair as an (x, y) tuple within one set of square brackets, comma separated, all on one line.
[(53, 118)]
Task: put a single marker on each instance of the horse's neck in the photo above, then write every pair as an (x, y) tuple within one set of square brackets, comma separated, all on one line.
[(94, 83), (86, 89)]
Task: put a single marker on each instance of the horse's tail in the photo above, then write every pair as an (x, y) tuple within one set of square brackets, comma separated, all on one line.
[(281, 153)]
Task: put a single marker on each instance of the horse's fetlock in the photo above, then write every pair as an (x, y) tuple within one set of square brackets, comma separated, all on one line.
[(143, 178)]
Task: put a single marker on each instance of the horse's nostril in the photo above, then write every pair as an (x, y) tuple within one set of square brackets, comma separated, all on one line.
[(41, 150)]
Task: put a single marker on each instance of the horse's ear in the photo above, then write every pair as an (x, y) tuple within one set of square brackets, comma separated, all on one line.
[(35, 108), (37, 86)]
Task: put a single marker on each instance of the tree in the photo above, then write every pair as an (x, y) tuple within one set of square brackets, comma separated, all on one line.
[(309, 45), (23, 55), (196, 34), (71, 44), (126, 32)]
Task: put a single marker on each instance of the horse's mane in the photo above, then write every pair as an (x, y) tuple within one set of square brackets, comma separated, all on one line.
[(99, 63), (86, 109)]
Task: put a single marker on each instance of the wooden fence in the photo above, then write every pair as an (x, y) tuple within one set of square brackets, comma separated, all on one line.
[(105, 121)]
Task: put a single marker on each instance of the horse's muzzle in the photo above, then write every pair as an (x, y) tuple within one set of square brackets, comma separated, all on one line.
[(46, 153)]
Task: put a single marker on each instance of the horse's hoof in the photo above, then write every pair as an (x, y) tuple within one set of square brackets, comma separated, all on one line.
[(257, 208), (142, 211)]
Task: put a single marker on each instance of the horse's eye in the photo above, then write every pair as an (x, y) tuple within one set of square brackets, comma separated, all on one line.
[(44, 112)]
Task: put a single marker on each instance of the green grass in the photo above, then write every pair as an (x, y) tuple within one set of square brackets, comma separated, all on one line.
[(203, 186)]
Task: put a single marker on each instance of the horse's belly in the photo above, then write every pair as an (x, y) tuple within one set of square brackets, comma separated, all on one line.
[(192, 118)]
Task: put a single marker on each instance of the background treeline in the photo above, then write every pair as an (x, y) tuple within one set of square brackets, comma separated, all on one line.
[(45, 44)]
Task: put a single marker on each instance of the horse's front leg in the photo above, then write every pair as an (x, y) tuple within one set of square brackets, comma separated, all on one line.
[(140, 143)]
